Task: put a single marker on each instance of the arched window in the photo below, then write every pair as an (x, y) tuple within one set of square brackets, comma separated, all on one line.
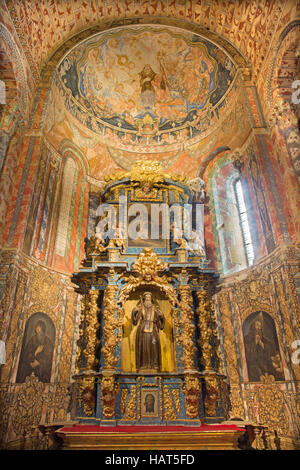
[(244, 221), (65, 207)]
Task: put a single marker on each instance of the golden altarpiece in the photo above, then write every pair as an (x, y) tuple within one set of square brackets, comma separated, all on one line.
[(134, 369)]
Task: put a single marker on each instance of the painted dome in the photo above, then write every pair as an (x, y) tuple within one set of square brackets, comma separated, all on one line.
[(146, 86)]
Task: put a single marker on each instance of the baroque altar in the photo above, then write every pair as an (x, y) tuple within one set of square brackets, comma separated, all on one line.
[(148, 349)]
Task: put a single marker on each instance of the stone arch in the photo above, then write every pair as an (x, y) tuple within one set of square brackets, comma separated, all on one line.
[(67, 148), (71, 208)]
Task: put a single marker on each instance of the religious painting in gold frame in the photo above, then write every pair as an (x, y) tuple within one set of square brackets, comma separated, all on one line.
[(159, 218)]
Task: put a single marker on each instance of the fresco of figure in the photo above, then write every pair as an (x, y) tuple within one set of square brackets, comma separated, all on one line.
[(147, 75), (150, 320)]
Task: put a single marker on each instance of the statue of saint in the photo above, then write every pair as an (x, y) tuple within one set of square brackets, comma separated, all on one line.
[(151, 320)]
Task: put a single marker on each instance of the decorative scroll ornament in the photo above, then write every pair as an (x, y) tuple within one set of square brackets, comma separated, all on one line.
[(124, 396), (27, 410), (211, 396), (271, 405), (149, 172), (176, 397), (170, 414), (96, 246), (79, 354), (147, 270), (145, 173), (208, 341), (203, 312), (130, 413), (118, 241), (254, 289)]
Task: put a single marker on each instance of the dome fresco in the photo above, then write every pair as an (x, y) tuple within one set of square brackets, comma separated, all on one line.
[(162, 84)]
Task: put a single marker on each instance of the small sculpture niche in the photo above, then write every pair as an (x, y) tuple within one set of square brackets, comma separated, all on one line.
[(150, 320), (148, 344)]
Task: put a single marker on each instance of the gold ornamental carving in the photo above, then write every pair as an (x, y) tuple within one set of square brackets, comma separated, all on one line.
[(211, 395), (87, 394), (111, 323), (192, 391), (271, 405), (145, 173), (58, 400), (208, 329), (96, 246), (255, 288), (124, 396), (187, 327), (203, 313), (236, 402), (130, 413), (285, 296), (146, 271), (27, 409), (79, 353), (91, 314), (108, 395), (291, 287), (231, 358), (176, 397), (170, 414)]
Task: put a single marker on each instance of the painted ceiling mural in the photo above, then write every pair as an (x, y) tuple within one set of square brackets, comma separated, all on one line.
[(147, 78), (146, 92)]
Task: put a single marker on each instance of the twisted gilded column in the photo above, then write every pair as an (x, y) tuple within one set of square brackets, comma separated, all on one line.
[(203, 313), (112, 322), (215, 388), (192, 386), (88, 327), (208, 341), (186, 322), (91, 326)]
